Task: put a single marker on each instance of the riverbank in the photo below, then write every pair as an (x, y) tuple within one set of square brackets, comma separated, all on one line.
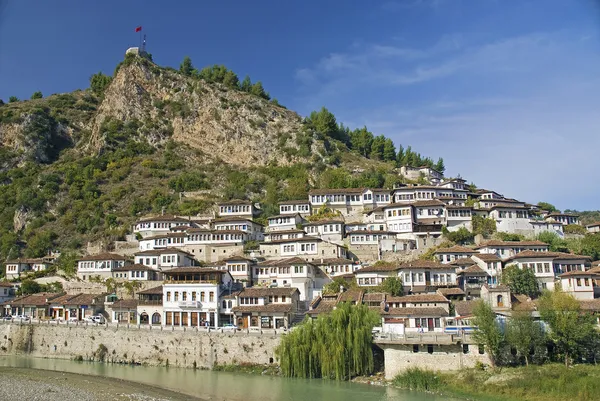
[(552, 382), (34, 384)]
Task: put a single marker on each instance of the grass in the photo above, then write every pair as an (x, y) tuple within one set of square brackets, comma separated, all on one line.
[(552, 382), (271, 370)]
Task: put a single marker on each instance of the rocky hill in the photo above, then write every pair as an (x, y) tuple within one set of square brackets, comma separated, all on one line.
[(83, 166)]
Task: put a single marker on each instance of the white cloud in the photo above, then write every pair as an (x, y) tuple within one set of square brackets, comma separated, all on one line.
[(515, 114)]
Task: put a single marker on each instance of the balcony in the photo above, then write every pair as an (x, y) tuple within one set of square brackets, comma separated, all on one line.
[(189, 304)]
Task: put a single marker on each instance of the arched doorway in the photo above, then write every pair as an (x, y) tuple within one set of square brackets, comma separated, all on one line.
[(500, 300), (156, 318), (144, 318)]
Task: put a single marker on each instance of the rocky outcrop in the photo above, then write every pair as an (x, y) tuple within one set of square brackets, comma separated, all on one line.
[(232, 126)]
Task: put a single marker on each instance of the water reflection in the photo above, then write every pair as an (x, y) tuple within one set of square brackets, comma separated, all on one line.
[(227, 386)]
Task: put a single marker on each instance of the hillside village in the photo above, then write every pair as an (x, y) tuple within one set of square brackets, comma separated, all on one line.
[(225, 269)]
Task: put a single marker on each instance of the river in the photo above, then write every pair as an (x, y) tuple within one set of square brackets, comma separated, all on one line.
[(224, 385)]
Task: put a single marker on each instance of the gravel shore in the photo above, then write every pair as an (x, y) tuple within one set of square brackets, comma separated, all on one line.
[(41, 385)]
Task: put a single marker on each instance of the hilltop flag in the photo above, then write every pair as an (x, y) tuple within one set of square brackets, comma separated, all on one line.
[(138, 29)]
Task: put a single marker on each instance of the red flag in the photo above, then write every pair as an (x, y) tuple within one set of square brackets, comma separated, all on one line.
[(139, 28)]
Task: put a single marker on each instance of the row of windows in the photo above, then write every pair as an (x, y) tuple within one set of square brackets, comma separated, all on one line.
[(215, 237), (233, 227), (350, 198), (142, 226), (459, 213), (294, 208), (235, 209), (401, 212), (537, 267), (185, 295)]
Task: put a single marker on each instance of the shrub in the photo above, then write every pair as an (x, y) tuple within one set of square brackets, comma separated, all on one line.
[(418, 379)]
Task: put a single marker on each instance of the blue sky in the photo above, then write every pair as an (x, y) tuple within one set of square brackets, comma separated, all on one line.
[(506, 91)]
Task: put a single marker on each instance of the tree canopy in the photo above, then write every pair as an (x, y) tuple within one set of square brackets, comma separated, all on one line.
[(186, 67), (335, 346), (521, 281), (37, 95), (488, 331), (99, 82)]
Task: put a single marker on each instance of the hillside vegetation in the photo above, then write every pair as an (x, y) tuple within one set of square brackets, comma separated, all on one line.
[(83, 166)]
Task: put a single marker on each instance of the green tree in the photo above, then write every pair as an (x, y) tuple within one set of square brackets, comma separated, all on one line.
[(574, 229), (186, 67), (131, 287), (40, 244), (569, 328), (483, 226), (392, 286), (231, 79), (523, 333), (258, 90), (13, 99), (389, 150), (547, 206), (590, 245), (99, 82), (29, 286), (336, 345), (555, 243), (439, 166), (37, 95), (334, 178), (360, 140), (334, 286), (67, 262), (246, 85), (461, 236), (488, 331), (377, 147), (521, 281), (324, 122)]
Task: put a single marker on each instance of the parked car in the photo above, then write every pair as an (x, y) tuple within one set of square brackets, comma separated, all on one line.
[(229, 327), (73, 319), (99, 319), (7, 317), (22, 318)]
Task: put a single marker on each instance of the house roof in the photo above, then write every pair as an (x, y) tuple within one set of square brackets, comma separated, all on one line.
[(569, 256), (125, 304), (39, 299), (265, 292), (467, 261), (237, 258), (293, 231), (285, 262), (165, 217), (379, 268), (487, 257), (336, 191), (450, 291), (226, 219), (234, 202), (152, 291), (295, 202), (556, 214), (497, 288), (512, 244), (6, 284), (269, 308), (30, 260), (474, 270), (425, 203), (352, 295), (418, 298), (374, 297), (102, 256), (533, 254), (323, 305), (464, 308), (592, 305), (322, 222), (455, 249), (306, 238), (169, 235), (521, 302), (371, 232), (425, 264), (416, 312), (575, 273)]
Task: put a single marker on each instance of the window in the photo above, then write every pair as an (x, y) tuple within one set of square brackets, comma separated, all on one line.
[(168, 296), (193, 295), (211, 297), (415, 348), (184, 296), (202, 296)]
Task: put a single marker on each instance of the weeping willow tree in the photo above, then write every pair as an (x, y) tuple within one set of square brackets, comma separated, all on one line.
[(335, 346)]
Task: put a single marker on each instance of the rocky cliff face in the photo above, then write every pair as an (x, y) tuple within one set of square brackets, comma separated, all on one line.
[(230, 125)]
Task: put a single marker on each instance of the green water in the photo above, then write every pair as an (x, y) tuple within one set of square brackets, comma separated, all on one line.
[(226, 386)]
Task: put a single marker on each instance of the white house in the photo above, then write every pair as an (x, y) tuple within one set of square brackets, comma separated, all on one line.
[(308, 247), (301, 207), (369, 237), (292, 272), (426, 275), (266, 308), (327, 230), (563, 218), (101, 265), (447, 255), (541, 263), (491, 264), (506, 249), (511, 218), (164, 259), (191, 296), (459, 216), (284, 222), (337, 266), (579, 284), (136, 272), (238, 208), (158, 225), (415, 173), (593, 228), (7, 291), (14, 268), (240, 269), (233, 224), (399, 218)]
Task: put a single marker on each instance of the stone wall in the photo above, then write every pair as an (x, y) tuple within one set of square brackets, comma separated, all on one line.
[(151, 347), (398, 358)]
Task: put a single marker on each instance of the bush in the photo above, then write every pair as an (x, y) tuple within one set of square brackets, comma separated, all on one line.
[(418, 379)]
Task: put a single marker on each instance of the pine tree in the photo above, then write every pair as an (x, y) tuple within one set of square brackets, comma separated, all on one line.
[(37, 95), (389, 150), (246, 85), (186, 66), (439, 166), (258, 90), (377, 148), (400, 157)]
